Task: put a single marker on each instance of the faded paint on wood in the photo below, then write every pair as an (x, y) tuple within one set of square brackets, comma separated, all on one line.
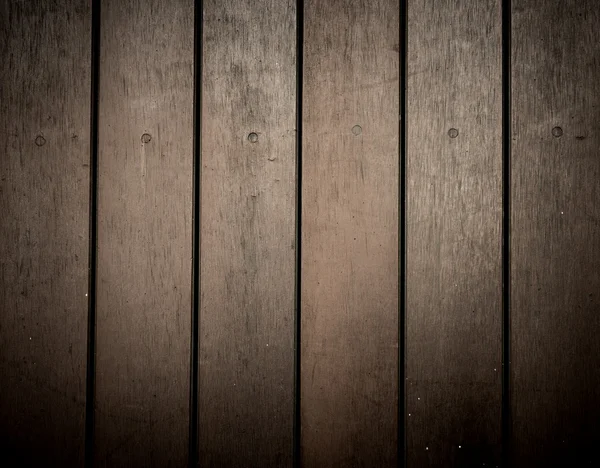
[(555, 235), (246, 349), (144, 233), (454, 213), (44, 200), (349, 368)]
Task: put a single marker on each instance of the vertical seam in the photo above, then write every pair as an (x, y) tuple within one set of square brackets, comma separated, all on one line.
[(402, 238), (196, 213), (297, 451), (506, 210), (90, 384)]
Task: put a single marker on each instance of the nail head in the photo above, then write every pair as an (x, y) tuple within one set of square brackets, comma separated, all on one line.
[(40, 140), (146, 137), (453, 133), (253, 137), (557, 132), (357, 129)]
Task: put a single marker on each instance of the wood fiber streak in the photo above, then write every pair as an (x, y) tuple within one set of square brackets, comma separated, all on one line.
[(555, 236), (44, 200), (247, 239), (454, 215), (349, 368), (144, 233)]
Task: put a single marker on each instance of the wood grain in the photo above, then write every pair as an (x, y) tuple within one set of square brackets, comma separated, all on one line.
[(144, 233), (350, 170), (246, 350), (555, 236), (454, 213), (44, 202)]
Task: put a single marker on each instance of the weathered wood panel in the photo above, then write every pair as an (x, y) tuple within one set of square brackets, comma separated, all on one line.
[(555, 236), (454, 215), (44, 200), (247, 251), (144, 233), (350, 174)]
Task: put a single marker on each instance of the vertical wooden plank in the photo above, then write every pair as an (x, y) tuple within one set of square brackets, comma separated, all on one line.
[(454, 215), (349, 368), (246, 349), (144, 233), (555, 236), (44, 202)]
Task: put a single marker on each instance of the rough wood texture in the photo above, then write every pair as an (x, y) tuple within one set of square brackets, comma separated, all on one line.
[(555, 232), (44, 199), (454, 213), (246, 355), (144, 233), (349, 369)]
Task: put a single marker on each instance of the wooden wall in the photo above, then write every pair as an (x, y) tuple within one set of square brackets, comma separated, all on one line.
[(346, 233)]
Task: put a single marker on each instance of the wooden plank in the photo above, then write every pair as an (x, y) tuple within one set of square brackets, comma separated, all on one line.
[(349, 342), (44, 206), (246, 354), (144, 233), (454, 215), (555, 236)]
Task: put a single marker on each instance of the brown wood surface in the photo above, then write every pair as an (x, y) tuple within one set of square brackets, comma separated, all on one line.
[(246, 354), (555, 236), (144, 233), (349, 368), (349, 263), (454, 213), (44, 201)]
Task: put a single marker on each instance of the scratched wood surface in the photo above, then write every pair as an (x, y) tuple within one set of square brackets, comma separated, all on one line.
[(454, 212), (44, 194), (246, 355), (144, 233), (349, 368), (555, 238), (349, 263)]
